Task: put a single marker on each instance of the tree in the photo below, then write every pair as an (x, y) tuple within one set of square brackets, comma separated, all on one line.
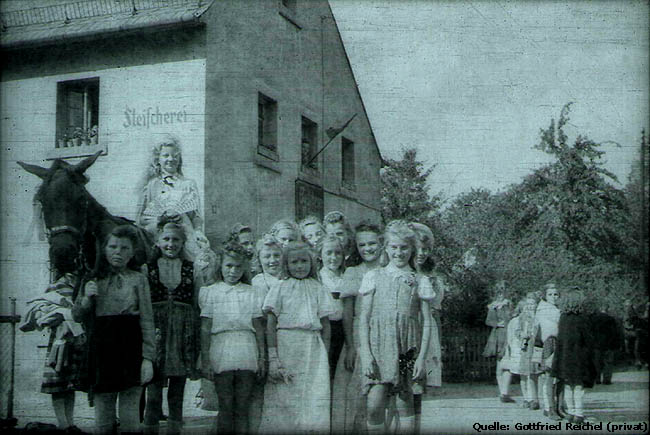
[(404, 190)]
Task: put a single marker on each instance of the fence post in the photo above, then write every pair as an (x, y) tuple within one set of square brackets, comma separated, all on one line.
[(10, 399)]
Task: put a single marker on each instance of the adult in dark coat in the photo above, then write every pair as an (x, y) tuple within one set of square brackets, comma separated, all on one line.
[(608, 340), (573, 361)]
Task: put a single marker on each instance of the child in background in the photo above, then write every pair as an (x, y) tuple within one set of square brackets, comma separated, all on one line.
[(498, 316), (312, 231), (173, 297), (243, 234), (529, 369), (547, 318), (394, 341), (285, 231), (510, 363), (269, 255), (117, 304), (331, 276), (337, 225), (297, 394), (233, 338), (573, 362), (348, 406)]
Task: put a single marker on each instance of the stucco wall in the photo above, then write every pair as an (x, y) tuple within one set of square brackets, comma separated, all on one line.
[(27, 108)]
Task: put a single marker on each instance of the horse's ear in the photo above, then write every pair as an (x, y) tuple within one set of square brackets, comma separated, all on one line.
[(86, 163), (41, 173)]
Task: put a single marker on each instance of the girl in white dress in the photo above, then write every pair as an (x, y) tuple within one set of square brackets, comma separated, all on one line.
[(268, 252), (297, 393), (231, 318)]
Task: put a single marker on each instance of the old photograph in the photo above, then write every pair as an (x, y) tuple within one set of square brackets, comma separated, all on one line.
[(324, 216)]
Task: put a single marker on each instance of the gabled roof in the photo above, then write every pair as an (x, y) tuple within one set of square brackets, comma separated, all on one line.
[(93, 17)]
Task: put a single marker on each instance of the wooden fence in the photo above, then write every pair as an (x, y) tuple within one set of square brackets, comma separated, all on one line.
[(462, 359)]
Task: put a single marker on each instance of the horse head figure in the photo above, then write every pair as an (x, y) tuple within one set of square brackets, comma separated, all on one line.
[(76, 223)]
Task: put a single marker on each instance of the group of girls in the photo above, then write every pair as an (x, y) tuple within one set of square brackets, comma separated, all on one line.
[(548, 342), (314, 327)]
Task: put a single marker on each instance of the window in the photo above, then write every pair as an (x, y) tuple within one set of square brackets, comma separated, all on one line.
[(77, 113), (267, 127), (347, 163), (309, 145)]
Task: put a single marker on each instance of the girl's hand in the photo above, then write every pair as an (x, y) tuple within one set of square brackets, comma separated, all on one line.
[(418, 369), (146, 371), (277, 373), (350, 358), (369, 368)]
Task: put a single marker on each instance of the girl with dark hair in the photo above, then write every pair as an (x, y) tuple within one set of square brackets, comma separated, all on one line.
[(117, 305)]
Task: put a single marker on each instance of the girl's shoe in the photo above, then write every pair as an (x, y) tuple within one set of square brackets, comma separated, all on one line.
[(506, 399), (534, 405), (526, 404), (552, 415), (578, 419), (570, 418)]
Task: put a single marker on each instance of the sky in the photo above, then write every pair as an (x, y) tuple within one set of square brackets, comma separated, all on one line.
[(470, 84)]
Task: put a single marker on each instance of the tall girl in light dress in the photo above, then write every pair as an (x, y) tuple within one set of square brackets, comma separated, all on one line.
[(348, 405), (395, 328), (232, 317), (173, 297), (269, 254), (297, 393)]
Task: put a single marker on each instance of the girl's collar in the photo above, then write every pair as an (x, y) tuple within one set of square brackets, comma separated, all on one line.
[(499, 304), (401, 270)]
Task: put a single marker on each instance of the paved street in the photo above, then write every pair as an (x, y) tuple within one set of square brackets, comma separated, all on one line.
[(455, 408)]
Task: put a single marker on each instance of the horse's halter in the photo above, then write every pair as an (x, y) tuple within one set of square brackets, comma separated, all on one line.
[(76, 232)]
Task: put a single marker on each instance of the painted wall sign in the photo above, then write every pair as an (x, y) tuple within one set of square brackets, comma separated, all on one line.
[(147, 117)]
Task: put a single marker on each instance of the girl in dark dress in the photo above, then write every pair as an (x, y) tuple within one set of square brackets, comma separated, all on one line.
[(573, 362), (116, 306), (173, 296)]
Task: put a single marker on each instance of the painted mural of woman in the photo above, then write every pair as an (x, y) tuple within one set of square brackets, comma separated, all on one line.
[(167, 192)]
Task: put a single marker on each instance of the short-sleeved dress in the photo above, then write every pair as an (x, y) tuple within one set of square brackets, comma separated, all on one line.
[(232, 309), (395, 330), (175, 319), (302, 405), (348, 405)]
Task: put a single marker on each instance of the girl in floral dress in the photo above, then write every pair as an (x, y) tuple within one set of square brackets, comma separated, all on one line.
[(395, 328)]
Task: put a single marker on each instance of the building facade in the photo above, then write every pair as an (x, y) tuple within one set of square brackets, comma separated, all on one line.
[(251, 89)]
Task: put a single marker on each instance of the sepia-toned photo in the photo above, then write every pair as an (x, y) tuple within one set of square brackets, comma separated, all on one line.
[(324, 216)]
